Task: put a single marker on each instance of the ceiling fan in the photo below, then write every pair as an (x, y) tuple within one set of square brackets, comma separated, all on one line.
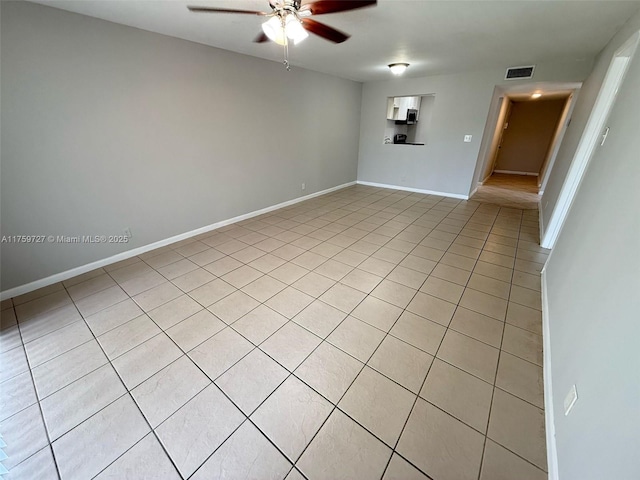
[(289, 19)]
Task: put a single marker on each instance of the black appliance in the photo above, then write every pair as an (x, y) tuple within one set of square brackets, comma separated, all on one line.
[(412, 118), (399, 138)]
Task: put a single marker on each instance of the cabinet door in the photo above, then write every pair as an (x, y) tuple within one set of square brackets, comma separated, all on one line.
[(403, 105), (414, 103), (390, 108)]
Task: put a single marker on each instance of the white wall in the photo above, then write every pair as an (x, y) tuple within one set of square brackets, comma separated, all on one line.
[(106, 126), (461, 105), (593, 281)]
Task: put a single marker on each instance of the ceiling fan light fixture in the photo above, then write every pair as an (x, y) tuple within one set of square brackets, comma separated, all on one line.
[(294, 29), (398, 68), (273, 29)]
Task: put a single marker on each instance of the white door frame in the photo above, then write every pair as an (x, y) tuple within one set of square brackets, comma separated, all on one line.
[(591, 137)]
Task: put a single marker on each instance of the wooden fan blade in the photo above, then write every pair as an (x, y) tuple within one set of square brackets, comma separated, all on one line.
[(224, 10), (324, 31), (261, 38), (320, 7)]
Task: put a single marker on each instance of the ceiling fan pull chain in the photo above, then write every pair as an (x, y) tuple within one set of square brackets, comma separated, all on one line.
[(286, 57)]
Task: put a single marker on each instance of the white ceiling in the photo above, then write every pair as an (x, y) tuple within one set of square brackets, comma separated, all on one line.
[(435, 37)]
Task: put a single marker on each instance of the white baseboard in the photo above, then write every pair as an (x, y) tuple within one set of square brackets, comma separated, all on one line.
[(552, 452), (541, 224), (512, 172), (415, 190), (62, 276), (473, 192)]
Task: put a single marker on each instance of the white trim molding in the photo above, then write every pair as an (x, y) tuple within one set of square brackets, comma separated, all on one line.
[(550, 428), (415, 190), (62, 276)]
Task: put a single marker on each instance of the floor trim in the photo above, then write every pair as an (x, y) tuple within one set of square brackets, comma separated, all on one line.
[(514, 172), (415, 190), (552, 452), (59, 277)]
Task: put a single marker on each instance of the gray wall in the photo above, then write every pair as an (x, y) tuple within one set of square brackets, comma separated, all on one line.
[(579, 118), (106, 126), (461, 105), (592, 290)]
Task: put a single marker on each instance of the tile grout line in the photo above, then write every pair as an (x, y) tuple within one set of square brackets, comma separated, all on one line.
[(335, 406), (393, 450), (496, 387), (33, 384), (290, 374), (354, 225), (128, 391), (130, 395), (365, 364), (484, 445), (425, 378)]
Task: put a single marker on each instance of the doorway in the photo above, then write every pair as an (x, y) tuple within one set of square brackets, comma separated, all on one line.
[(527, 131), (525, 126), (527, 135)]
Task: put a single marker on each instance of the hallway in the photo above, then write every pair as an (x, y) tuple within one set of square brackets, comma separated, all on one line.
[(505, 190)]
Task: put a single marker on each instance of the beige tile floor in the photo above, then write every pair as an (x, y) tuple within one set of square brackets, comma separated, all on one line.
[(364, 334), (507, 190)]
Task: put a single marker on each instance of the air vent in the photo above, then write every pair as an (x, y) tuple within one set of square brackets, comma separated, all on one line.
[(516, 73)]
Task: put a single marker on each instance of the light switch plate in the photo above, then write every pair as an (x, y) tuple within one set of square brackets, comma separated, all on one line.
[(570, 400), (467, 138)]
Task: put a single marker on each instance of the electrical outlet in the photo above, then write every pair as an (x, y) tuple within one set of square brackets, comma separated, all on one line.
[(467, 138), (570, 400), (127, 232), (304, 186)]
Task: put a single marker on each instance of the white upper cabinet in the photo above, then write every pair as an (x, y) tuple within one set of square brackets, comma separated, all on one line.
[(414, 102), (397, 107), (403, 105)]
